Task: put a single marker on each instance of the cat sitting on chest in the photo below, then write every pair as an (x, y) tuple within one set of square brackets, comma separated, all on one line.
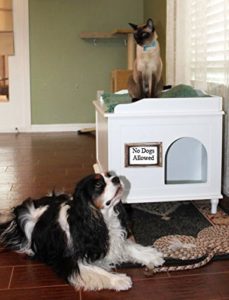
[(146, 81)]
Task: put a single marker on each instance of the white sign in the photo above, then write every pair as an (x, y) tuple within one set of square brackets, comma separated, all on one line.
[(148, 154)]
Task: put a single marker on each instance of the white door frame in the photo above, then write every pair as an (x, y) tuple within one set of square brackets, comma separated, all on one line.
[(15, 115)]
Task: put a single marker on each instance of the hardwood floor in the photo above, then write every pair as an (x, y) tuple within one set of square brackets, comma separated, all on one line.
[(34, 164)]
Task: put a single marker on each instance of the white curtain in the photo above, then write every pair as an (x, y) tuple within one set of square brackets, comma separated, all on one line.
[(198, 53)]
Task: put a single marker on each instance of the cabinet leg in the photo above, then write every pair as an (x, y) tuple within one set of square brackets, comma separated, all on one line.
[(214, 204)]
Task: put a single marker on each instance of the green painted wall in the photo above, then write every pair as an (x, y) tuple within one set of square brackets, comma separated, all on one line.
[(66, 71), (156, 9)]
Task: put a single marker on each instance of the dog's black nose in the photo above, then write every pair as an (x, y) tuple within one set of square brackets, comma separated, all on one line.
[(115, 180)]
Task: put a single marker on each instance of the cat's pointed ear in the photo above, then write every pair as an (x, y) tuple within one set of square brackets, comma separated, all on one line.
[(134, 26), (150, 24)]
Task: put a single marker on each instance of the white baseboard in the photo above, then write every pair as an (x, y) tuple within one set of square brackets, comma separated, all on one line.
[(61, 127), (48, 128)]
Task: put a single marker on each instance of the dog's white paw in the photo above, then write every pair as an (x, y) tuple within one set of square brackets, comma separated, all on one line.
[(121, 282), (157, 260), (153, 258)]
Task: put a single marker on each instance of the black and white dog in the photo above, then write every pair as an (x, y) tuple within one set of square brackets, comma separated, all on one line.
[(82, 237)]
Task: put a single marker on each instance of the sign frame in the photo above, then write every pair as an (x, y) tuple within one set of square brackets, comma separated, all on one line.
[(156, 146)]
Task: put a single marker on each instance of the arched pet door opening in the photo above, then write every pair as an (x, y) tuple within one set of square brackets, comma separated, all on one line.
[(186, 162)]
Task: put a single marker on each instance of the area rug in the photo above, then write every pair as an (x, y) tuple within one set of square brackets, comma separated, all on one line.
[(150, 221), (186, 232), (220, 218)]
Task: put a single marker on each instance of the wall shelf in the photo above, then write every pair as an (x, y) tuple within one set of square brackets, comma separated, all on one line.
[(127, 34), (116, 34)]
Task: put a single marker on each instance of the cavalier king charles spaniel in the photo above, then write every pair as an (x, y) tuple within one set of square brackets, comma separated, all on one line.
[(82, 237)]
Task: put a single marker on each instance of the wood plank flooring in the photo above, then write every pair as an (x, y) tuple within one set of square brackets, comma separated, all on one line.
[(34, 164)]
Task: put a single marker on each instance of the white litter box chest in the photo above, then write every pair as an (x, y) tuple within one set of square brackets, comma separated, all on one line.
[(166, 149)]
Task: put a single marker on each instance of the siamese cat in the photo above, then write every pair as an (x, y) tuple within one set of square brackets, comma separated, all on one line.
[(146, 81)]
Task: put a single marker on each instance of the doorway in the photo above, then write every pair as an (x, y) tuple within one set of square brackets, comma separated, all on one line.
[(186, 162), (15, 113)]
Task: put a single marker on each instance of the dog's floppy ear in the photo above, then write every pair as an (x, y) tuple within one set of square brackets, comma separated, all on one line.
[(134, 26), (82, 203), (88, 228)]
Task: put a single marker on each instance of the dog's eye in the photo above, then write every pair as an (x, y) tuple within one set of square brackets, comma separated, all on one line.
[(108, 203), (99, 184), (108, 174)]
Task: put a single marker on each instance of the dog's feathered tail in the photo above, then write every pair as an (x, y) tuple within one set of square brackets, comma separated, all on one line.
[(12, 231), (11, 236), (6, 218)]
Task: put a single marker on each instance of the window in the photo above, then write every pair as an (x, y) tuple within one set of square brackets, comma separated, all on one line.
[(198, 53), (198, 42), (209, 40)]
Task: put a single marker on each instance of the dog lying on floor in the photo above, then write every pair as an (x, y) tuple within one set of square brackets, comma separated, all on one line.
[(82, 237)]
